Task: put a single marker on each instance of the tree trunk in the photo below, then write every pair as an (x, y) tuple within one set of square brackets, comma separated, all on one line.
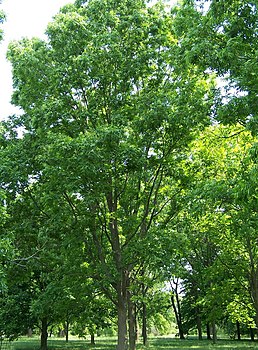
[(144, 324), (199, 325), (122, 341), (92, 339), (252, 333), (66, 331), (238, 331), (132, 322), (214, 332), (44, 334), (208, 330), (176, 306), (178, 316)]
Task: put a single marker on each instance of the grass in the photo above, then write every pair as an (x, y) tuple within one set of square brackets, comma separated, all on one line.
[(158, 343)]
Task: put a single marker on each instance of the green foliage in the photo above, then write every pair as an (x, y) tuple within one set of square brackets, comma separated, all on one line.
[(108, 112), (224, 39), (117, 183), (2, 19)]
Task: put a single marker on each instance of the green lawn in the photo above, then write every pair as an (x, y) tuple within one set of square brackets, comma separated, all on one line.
[(160, 343)]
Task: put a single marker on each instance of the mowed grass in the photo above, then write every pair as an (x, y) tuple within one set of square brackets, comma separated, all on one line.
[(158, 343)]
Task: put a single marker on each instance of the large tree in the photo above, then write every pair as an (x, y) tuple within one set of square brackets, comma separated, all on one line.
[(109, 106)]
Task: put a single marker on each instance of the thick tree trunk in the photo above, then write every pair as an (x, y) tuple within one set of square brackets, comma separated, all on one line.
[(208, 330), (44, 334), (92, 339), (122, 283), (122, 341), (144, 324)]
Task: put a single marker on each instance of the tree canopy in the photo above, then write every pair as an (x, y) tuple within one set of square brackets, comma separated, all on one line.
[(119, 179)]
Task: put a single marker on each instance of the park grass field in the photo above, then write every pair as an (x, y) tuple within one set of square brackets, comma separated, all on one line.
[(158, 343)]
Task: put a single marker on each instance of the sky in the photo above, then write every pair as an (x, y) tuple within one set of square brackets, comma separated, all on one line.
[(24, 18)]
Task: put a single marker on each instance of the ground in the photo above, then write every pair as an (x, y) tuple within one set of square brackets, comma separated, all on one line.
[(157, 343)]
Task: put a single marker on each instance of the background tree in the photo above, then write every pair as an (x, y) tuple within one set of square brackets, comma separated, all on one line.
[(223, 38), (224, 154)]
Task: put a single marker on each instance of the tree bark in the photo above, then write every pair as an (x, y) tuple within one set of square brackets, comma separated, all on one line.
[(199, 325), (122, 341), (252, 334), (92, 339), (208, 330), (238, 331), (44, 334), (214, 332), (144, 324), (66, 331), (176, 309), (132, 322)]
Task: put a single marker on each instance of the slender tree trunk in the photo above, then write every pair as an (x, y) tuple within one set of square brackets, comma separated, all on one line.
[(44, 334), (214, 332), (66, 331), (178, 317), (238, 331), (177, 307), (144, 324), (252, 333), (199, 325)]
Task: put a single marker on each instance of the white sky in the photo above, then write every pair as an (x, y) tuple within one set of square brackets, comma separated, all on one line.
[(25, 18)]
